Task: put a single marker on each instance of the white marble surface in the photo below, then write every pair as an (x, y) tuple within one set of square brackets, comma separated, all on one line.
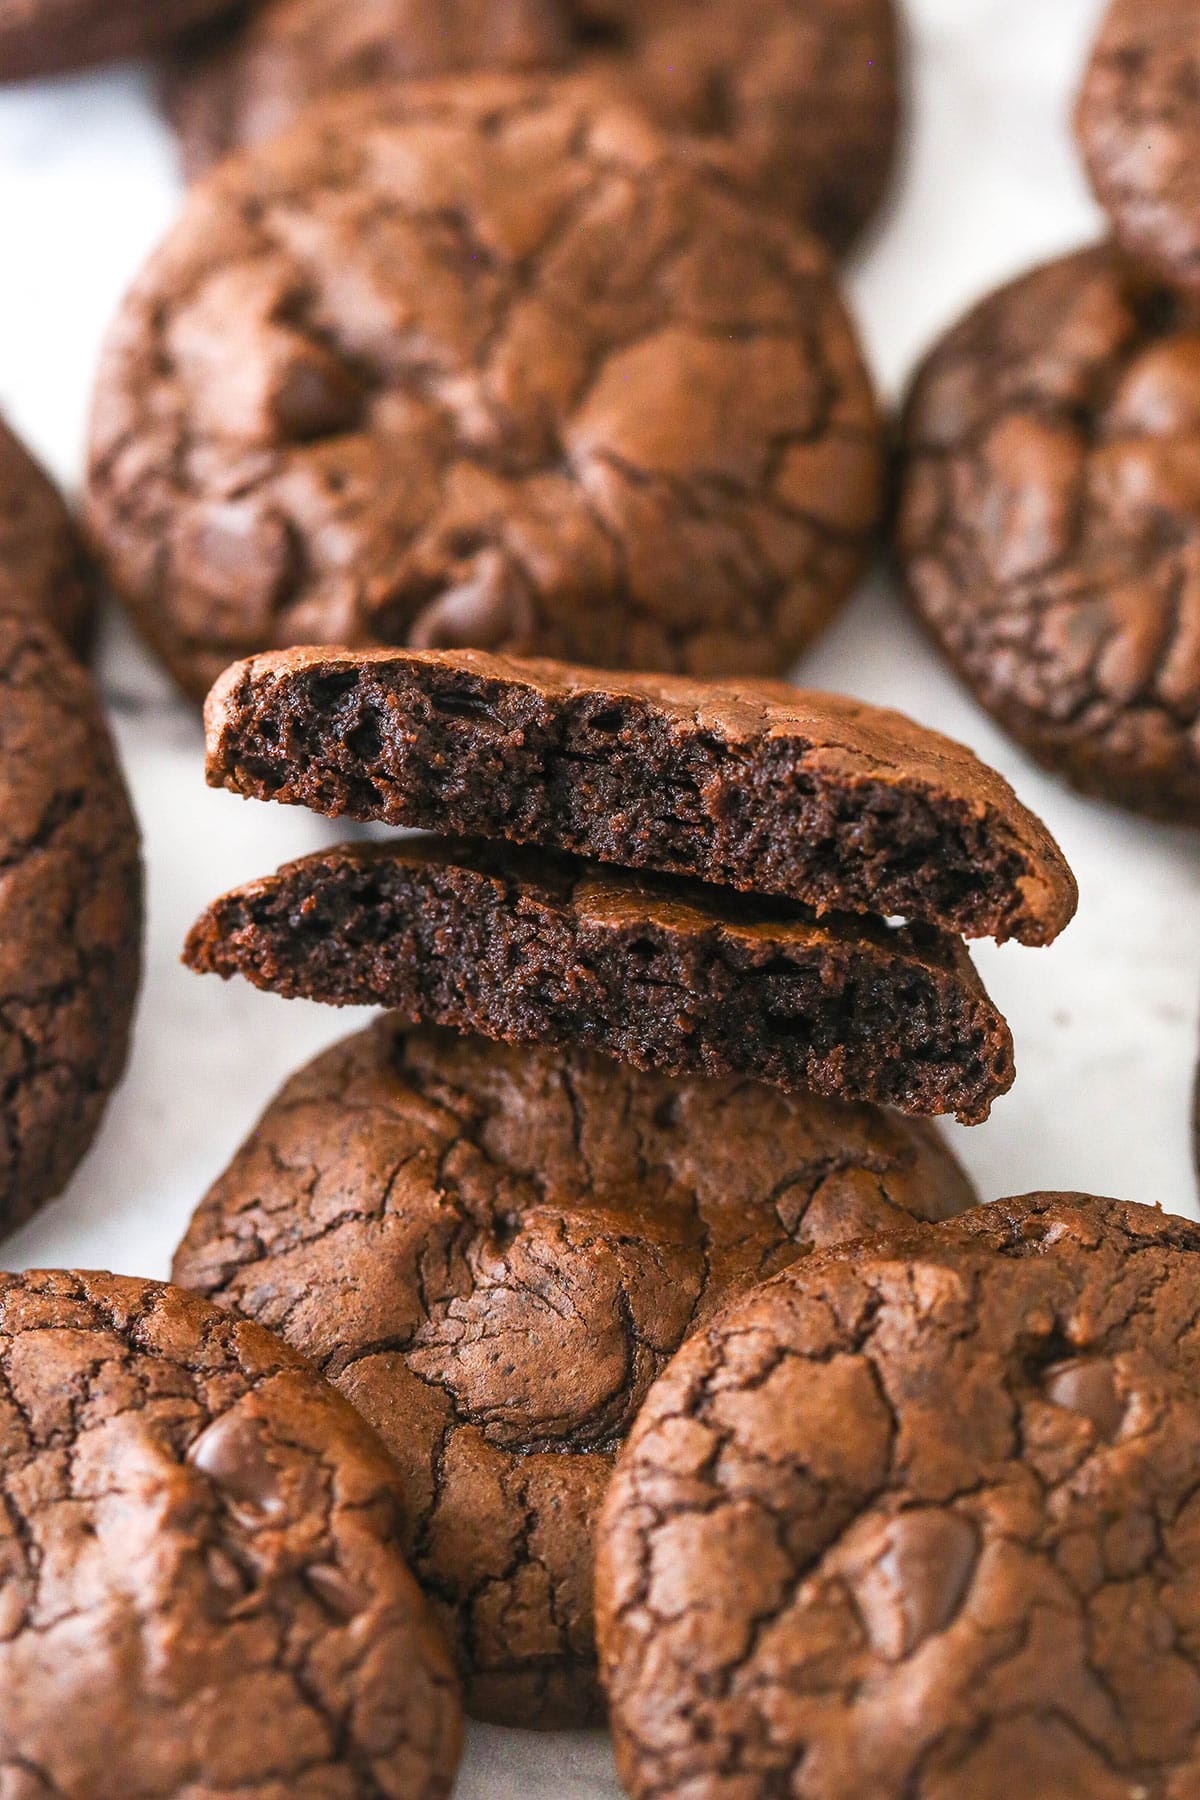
[(1105, 1022)]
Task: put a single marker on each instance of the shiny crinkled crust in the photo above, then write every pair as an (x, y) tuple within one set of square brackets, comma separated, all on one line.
[(796, 100), (42, 37), (200, 1584), (493, 1253), (1139, 130), (490, 364), (1049, 523), (918, 1520), (43, 569), (70, 915)]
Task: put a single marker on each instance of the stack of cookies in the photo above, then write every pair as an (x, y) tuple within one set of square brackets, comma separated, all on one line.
[(662, 931)]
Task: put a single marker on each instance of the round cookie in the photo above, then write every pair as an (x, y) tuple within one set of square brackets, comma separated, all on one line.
[(243, 84), (44, 37), (493, 1252), (796, 100), (914, 1517), (485, 366), (1139, 129), (200, 1583), (70, 916), (1049, 524), (42, 566)]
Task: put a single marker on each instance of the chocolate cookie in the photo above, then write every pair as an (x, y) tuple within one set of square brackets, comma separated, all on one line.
[(1049, 524), (1139, 130), (493, 1252), (750, 785), (487, 366), (796, 100), (42, 37), (531, 948), (200, 1582), (42, 566), (919, 1521), (70, 915)]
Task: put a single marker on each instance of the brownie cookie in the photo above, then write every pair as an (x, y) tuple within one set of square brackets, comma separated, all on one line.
[(42, 566), (751, 785), (70, 916), (243, 84), (486, 366), (1139, 129), (919, 1520), (43, 37), (200, 1582), (493, 1252), (796, 100), (1049, 524), (532, 948)]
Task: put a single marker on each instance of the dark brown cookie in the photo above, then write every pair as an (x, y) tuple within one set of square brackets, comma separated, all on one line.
[(530, 948), (1049, 524), (493, 1252), (490, 366), (1139, 127), (70, 915), (750, 785), (920, 1522), (42, 37), (796, 100), (200, 1582), (42, 566)]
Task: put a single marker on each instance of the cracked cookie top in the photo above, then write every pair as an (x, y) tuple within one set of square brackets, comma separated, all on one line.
[(1139, 130), (911, 1518), (797, 100), (70, 915), (493, 1252), (198, 1565), (42, 565), (487, 365), (1049, 523), (41, 37)]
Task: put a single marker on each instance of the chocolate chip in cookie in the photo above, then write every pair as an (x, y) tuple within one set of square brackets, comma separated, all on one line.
[(1139, 128), (70, 915), (201, 1585), (493, 1252), (795, 100), (488, 366), (527, 947), (43, 569), (919, 1521), (1049, 523)]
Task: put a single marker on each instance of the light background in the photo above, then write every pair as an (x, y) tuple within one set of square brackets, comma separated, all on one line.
[(1105, 1022)]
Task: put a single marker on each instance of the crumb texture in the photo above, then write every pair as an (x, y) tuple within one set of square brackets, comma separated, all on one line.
[(491, 365), (751, 785), (493, 1253), (1048, 524), (912, 1518), (200, 1589), (70, 915)]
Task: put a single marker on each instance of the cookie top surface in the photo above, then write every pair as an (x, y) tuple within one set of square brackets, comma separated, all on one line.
[(753, 785), (529, 948), (70, 915), (1049, 523), (489, 364), (41, 37), (200, 1567), (909, 1518), (1137, 126), (493, 1252), (42, 566), (797, 100)]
